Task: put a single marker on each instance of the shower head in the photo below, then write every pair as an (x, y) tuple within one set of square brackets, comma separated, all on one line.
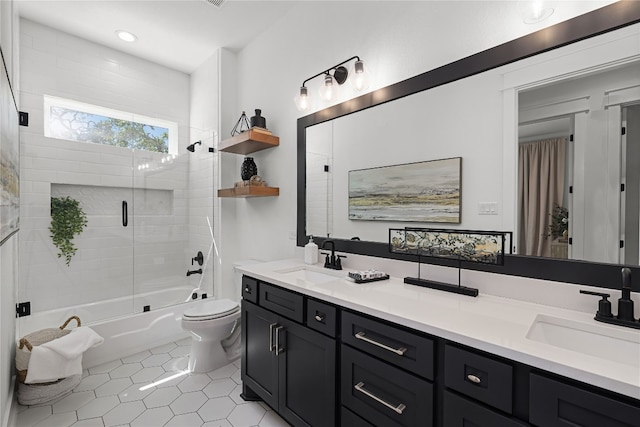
[(192, 147)]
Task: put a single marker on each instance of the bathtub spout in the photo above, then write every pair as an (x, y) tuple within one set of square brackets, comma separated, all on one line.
[(190, 272)]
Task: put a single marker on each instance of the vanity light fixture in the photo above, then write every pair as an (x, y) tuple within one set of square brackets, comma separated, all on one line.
[(333, 78), (534, 11), (126, 36)]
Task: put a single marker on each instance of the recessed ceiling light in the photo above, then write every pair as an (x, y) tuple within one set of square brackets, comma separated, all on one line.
[(534, 11), (126, 36)]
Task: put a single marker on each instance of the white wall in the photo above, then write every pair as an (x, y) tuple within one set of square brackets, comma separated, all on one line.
[(9, 41), (58, 64), (396, 42)]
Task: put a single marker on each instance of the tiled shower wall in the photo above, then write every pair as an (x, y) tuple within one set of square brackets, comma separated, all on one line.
[(58, 64)]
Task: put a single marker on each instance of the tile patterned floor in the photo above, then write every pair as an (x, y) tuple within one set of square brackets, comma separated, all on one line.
[(114, 394)]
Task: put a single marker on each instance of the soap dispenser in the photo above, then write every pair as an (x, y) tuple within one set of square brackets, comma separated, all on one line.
[(311, 252)]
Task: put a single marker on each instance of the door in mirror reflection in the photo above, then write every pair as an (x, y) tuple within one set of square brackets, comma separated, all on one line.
[(630, 210), (578, 172)]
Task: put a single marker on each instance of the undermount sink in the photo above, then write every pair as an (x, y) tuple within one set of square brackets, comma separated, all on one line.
[(602, 341), (309, 275)]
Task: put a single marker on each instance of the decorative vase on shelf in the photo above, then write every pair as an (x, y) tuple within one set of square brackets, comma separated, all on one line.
[(565, 234), (258, 120), (248, 169)]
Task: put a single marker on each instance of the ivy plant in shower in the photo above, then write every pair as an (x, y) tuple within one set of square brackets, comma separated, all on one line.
[(67, 221)]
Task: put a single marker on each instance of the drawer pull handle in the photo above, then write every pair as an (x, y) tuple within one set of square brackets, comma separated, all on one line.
[(247, 290), (474, 379), (271, 345), (319, 318), (278, 348), (398, 409), (362, 336)]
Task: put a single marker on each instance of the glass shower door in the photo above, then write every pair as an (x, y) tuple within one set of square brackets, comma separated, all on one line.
[(160, 219), (94, 281)]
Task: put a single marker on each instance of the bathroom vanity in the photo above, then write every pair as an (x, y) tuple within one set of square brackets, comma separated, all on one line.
[(324, 351)]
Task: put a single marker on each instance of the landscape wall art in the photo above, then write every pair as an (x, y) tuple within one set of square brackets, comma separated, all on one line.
[(414, 192)]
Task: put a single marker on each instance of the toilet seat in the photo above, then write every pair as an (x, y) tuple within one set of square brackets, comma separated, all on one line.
[(210, 310)]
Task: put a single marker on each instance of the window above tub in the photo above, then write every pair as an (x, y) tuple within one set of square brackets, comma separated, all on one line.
[(78, 121)]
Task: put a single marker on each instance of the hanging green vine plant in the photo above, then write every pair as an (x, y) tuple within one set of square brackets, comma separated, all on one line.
[(67, 220)]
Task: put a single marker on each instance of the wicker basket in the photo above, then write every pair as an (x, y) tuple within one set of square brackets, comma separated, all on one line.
[(26, 344)]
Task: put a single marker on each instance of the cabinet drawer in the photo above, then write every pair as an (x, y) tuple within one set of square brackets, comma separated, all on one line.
[(479, 377), (321, 317), (250, 289), (556, 404), (282, 301), (383, 394), (407, 350), (460, 412), (349, 419)]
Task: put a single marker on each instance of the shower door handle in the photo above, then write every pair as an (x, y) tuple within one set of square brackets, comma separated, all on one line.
[(125, 214)]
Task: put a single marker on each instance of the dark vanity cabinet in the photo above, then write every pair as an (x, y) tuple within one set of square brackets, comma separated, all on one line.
[(286, 361), (479, 389), (322, 365), (561, 404), (386, 373)]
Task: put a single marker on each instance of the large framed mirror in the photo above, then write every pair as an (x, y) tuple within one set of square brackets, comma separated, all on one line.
[(512, 81)]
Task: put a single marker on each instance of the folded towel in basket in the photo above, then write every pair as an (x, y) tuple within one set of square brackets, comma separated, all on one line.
[(62, 357)]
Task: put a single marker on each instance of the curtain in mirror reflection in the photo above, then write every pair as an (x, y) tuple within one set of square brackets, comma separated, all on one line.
[(541, 179)]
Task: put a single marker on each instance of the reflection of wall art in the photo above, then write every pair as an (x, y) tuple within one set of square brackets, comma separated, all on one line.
[(417, 192), (9, 163)]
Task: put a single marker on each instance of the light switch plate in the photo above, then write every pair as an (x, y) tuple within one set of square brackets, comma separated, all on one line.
[(488, 208)]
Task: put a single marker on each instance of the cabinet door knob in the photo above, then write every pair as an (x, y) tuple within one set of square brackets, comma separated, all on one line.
[(363, 337), (320, 317), (474, 379), (399, 409), (247, 290)]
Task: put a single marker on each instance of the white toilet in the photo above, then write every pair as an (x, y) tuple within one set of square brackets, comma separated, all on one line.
[(209, 323)]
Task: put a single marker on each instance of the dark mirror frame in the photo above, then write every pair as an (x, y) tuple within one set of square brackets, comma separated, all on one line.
[(600, 21)]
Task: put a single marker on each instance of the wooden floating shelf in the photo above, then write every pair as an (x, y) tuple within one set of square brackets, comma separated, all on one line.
[(249, 191), (249, 142)]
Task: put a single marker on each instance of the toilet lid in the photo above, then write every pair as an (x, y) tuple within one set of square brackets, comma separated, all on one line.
[(212, 309)]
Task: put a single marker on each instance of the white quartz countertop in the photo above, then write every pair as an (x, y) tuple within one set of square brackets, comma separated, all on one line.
[(497, 325)]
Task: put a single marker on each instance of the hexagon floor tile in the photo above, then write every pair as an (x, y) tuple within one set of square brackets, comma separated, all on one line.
[(123, 393)]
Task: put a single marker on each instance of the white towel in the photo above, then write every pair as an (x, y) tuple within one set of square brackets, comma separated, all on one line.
[(61, 357)]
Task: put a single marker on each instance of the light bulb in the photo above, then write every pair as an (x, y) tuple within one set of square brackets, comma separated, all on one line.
[(359, 76), (329, 89), (532, 11), (303, 99)]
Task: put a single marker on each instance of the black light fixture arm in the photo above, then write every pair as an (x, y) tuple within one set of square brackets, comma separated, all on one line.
[(357, 58)]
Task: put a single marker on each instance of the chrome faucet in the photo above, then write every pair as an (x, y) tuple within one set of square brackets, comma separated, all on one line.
[(332, 260)]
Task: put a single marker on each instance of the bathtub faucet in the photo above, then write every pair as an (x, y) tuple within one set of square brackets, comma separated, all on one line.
[(190, 272)]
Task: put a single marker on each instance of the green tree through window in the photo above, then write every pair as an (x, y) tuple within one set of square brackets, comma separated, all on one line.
[(86, 127)]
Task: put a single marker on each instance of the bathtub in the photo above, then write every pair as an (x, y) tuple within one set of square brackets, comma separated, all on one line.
[(124, 333)]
